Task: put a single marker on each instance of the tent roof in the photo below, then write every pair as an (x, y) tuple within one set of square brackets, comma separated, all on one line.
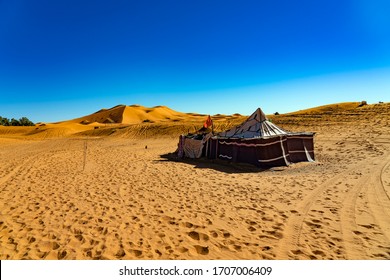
[(256, 126)]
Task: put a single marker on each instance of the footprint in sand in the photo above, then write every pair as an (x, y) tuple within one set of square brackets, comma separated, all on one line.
[(31, 239), (136, 253), (188, 224), (62, 254), (183, 250), (198, 236), (80, 238), (202, 250), (251, 229), (120, 254), (226, 234), (297, 252), (319, 253), (55, 245), (266, 248), (274, 233)]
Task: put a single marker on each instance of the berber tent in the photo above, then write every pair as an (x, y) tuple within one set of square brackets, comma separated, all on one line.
[(260, 142)]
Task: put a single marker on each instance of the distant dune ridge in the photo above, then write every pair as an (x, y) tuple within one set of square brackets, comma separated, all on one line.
[(140, 121), (86, 189)]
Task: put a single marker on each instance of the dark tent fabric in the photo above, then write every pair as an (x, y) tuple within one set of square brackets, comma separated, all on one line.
[(300, 147), (260, 151)]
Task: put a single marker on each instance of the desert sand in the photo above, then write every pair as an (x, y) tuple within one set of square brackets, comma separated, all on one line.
[(90, 189)]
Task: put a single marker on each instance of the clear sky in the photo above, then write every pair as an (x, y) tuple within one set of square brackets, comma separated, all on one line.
[(63, 59)]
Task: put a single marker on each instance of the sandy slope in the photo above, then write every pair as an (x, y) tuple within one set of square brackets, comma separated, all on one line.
[(110, 198)]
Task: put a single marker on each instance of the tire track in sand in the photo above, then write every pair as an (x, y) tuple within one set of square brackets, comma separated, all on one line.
[(290, 244), (345, 196), (33, 151), (378, 198), (368, 233), (25, 156), (16, 171)]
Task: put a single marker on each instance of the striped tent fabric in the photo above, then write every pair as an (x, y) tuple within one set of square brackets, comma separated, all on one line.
[(256, 126)]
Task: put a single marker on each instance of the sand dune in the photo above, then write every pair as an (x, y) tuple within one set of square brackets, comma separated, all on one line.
[(91, 196), (133, 114)]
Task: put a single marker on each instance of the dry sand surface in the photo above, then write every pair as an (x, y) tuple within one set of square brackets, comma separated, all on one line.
[(91, 196)]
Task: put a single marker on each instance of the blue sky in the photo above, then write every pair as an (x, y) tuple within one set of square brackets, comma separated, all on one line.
[(64, 59)]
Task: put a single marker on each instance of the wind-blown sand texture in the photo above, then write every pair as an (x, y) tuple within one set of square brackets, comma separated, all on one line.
[(69, 191)]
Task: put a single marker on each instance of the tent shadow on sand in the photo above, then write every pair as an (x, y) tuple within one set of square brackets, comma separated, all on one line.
[(217, 164)]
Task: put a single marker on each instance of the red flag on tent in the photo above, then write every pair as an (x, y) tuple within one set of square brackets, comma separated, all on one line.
[(208, 122)]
